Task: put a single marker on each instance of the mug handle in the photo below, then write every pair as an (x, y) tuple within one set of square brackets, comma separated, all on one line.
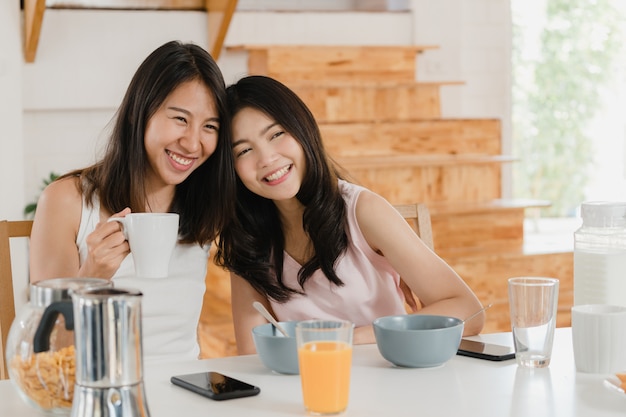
[(122, 222)]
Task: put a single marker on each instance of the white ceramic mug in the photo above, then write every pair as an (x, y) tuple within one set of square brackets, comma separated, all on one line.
[(152, 237), (599, 338)]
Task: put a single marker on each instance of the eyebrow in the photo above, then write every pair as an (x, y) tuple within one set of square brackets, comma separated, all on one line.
[(179, 109), (263, 131)]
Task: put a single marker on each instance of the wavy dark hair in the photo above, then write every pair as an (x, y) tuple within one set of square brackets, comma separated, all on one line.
[(252, 244), (206, 198)]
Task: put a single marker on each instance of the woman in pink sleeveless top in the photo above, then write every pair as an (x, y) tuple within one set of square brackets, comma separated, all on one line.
[(306, 243)]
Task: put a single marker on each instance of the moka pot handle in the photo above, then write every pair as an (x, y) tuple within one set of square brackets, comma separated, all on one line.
[(41, 342)]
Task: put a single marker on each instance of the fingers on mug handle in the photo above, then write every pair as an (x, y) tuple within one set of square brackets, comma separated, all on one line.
[(122, 222)]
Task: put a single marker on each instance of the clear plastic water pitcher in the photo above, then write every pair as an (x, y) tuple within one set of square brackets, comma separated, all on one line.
[(600, 254)]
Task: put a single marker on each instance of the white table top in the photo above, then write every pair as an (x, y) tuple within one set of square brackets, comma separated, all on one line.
[(462, 387)]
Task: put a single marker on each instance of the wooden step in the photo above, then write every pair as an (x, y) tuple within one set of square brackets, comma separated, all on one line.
[(494, 226), (371, 101), (487, 276), (408, 160), (499, 204), (406, 179), (321, 63), (472, 233), (445, 137)]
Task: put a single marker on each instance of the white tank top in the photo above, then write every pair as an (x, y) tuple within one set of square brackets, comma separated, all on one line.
[(170, 306)]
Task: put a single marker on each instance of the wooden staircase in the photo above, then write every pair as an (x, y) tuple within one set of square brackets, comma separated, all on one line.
[(385, 128)]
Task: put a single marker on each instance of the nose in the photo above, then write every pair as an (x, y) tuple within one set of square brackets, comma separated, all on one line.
[(191, 141), (266, 155)]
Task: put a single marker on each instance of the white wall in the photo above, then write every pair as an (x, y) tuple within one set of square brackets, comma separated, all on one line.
[(11, 137), (474, 39)]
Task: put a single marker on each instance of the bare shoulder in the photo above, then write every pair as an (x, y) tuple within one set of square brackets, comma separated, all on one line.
[(63, 191), (378, 219), (53, 250), (62, 201), (373, 207)]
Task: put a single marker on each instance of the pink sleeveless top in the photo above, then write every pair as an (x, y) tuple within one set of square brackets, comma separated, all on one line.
[(371, 285)]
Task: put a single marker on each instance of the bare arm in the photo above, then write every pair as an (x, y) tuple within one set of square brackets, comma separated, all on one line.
[(437, 285), (53, 250), (245, 317)]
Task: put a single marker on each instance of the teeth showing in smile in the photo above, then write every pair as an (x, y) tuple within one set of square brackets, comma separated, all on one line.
[(179, 159), (278, 174)]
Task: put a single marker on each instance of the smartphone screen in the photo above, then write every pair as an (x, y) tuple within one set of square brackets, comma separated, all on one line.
[(488, 351), (215, 385)]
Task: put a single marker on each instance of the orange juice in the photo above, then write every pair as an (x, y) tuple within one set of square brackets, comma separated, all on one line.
[(325, 375)]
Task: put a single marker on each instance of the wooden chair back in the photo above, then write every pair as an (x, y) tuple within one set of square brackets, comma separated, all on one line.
[(8, 230), (419, 216)]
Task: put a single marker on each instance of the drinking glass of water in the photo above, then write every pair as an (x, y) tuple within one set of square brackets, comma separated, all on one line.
[(533, 302)]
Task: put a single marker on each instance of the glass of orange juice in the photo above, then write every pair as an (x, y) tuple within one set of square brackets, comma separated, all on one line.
[(325, 358)]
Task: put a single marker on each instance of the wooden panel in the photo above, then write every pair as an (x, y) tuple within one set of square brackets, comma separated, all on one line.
[(471, 228), (219, 15), (419, 137), (487, 276), (295, 63), (493, 232), (127, 4), (403, 185), (409, 160), (8, 230), (366, 102), (460, 207), (33, 19), (216, 334)]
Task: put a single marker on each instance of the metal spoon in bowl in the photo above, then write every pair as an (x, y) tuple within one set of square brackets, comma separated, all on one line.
[(268, 316), (476, 313)]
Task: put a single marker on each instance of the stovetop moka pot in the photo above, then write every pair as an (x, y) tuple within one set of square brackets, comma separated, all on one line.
[(46, 380), (109, 357)]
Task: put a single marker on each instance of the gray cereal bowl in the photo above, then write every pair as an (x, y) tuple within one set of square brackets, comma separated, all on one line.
[(417, 340), (277, 352)]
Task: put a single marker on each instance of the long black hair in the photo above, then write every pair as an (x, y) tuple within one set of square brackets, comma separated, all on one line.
[(252, 244), (206, 198)]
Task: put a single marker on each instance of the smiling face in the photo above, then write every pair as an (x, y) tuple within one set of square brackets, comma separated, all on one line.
[(181, 135), (268, 160)]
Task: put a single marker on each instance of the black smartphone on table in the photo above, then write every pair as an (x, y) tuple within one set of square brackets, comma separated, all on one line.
[(488, 351), (215, 385)]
